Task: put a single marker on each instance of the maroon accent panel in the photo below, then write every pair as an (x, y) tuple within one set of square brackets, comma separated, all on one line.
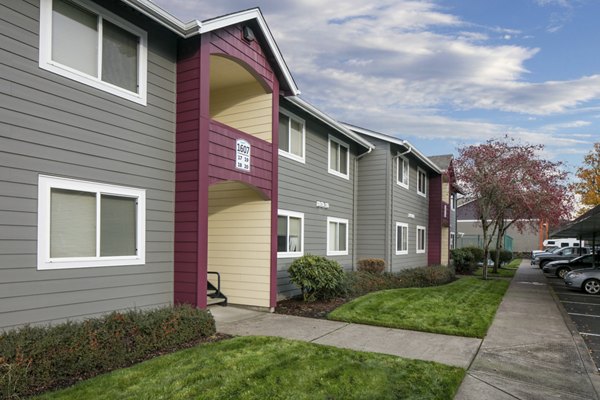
[(187, 132), (229, 41), (434, 231), (274, 194)]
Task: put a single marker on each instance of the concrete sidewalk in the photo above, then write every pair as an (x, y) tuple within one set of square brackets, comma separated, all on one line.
[(531, 351), (451, 350)]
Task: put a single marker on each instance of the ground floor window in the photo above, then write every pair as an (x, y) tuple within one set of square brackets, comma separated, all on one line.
[(290, 234), (452, 240), (337, 236), (401, 238), (421, 239), (87, 224)]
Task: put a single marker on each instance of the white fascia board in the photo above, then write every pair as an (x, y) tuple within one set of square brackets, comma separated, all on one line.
[(326, 119), (247, 15), (401, 142), (154, 12)]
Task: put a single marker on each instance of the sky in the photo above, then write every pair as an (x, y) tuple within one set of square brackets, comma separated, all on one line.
[(442, 73)]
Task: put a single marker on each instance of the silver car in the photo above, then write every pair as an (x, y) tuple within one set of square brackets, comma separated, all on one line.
[(587, 279)]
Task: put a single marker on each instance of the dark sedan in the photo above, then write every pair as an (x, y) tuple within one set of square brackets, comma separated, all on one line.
[(561, 267)]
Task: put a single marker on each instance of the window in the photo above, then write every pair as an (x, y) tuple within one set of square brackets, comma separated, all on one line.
[(338, 158), (337, 236), (421, 182), (420, 239), (452, 240), (84, 42), (290, 234), (401, 238), (453, 202), (402, 171), (86, 224), (291, 136)]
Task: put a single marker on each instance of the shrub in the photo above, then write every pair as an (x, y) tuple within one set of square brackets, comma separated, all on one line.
[(42, 357), (361, 282), (463, 261), (505, 256), (477, 253), (318, 277), (372, 265)]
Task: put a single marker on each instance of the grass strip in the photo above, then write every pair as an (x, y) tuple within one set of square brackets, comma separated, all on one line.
[(465, 307), (271, 368)]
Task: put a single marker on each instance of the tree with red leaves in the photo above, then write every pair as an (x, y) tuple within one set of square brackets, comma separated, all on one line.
[(511, 186)]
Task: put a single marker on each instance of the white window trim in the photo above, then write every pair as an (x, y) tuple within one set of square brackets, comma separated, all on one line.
[(452, 240), (400, 163), (333, 171), (404, 225), (338, 221), (421, 251), (421, 171), (46, 62), (45, 184), (290, 254), (453, 202), (287, 154)]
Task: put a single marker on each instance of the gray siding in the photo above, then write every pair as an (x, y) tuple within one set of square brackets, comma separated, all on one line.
[(405, 202), (302, 185), (55, 126), (382, 203)]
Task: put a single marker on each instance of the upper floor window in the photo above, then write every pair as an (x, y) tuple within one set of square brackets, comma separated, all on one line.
[(291, 136), (453, 201), (401, 238), (337, 236), (421, 182), (87, 224), (402, 172), (339, 157), (290, 233), (84, 42)]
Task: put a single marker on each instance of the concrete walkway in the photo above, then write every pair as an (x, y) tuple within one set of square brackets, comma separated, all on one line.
[(451, 350), (531, 350)]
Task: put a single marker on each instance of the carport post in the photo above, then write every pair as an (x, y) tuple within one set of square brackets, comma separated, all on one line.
[(594, 249)]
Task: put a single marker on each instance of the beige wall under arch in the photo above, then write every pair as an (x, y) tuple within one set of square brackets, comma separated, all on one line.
[(239, 242)]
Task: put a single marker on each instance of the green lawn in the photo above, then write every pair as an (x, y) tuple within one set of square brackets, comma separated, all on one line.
[(508, 271), (271, 368), (465, 307)]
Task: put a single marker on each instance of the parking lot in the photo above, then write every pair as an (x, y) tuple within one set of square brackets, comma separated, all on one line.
[(584, 310)]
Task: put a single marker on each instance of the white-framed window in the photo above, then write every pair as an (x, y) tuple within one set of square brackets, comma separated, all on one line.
[(421, 239), (421, 182), (453, 201), (290, 234), (84, 42), (88, 224), (337, 236), (339, 158), (401, 238), (452, 240), (402, 172), (292, 136)]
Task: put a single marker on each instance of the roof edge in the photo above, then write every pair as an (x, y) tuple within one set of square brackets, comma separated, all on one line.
[(164, 18), (326, 119), (391, 139)]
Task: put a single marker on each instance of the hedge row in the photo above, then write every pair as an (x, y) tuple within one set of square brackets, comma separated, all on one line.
[(36, 358)]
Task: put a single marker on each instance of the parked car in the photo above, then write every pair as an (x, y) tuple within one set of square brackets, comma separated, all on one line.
[(587, 280), (563, 254), (561, 267), (549, 249)]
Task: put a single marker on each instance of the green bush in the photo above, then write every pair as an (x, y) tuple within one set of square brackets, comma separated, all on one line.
[(477, 253), (505, 256), (361, 282), (372, 265), (37, 358), (318, 277), (463, 260)]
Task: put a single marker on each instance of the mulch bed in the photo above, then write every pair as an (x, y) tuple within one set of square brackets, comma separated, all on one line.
[(314, 309)]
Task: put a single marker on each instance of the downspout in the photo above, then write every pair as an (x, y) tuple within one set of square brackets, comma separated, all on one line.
[(392, 226), (355, 207)]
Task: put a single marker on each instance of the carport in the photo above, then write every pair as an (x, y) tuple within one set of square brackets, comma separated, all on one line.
[(586, 227)]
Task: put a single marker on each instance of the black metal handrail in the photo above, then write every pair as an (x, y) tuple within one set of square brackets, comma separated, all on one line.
[(218, 281)]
